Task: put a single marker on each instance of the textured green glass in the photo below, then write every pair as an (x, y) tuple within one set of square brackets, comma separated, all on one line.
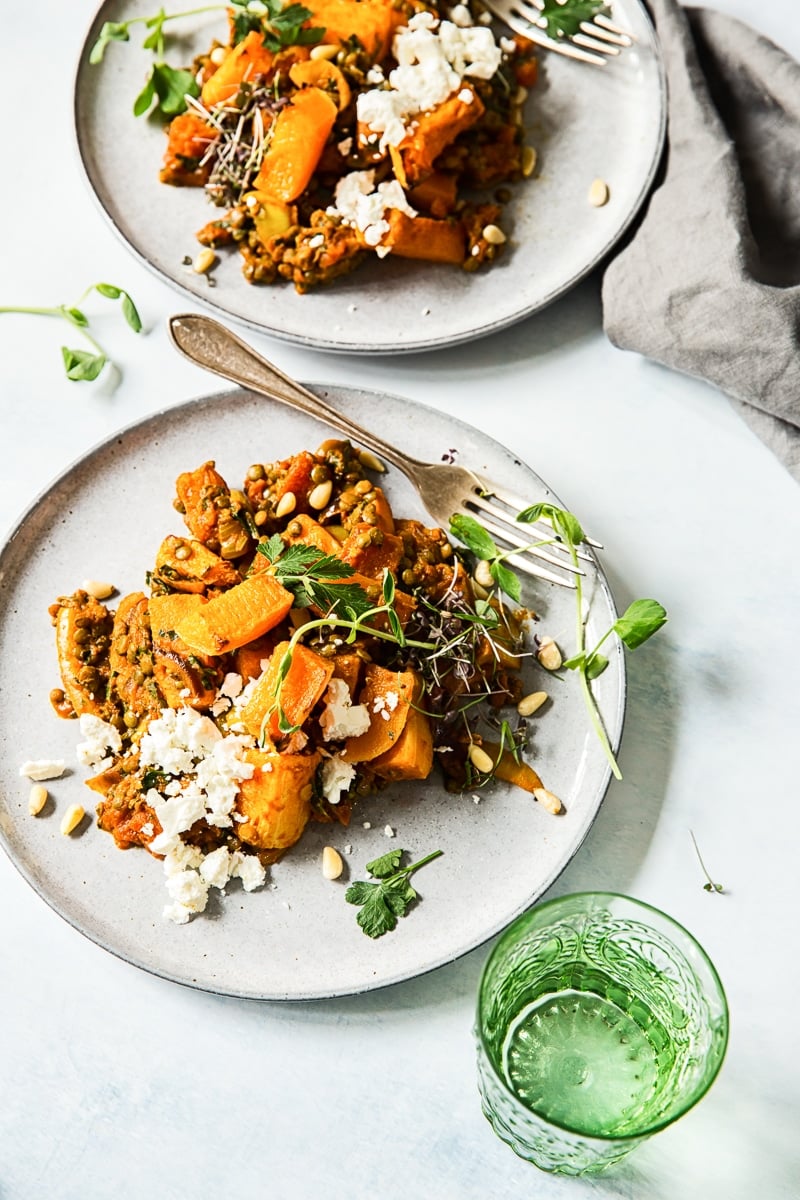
[(600, 1021)]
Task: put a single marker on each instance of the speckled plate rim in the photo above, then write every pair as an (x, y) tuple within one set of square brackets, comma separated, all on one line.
[(614, 723), (341, 345)]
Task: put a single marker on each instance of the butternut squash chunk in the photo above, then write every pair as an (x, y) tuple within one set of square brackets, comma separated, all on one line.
[(372, 22), (196, 569), (188, 139), (82, 651), (182, 677), (131, 662), (348, 668), (425, 238), (276, 801), (298, 138), (236, 617), (436, 196), (305, 683), (305, 529), (435, 130), (247, 659), (388, 696), (250, 58), (370, 551), (411, 756)]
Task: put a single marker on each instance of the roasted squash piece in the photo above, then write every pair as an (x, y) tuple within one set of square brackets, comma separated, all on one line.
[(388, 696), (131, 663), (433, 131), (372, 22), (248, 659), (348, 667), (299, 134), (236, 617), (183, 677), (250, 58), (305, 529), (425, 238), (83, 632), (303, 686), (276, 801), (189, 137), (411, 756), (186, 565), (211, 511), (370, 550)]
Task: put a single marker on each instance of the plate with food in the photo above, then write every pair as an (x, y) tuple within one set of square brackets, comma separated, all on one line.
[(364, 175), (252, 688)]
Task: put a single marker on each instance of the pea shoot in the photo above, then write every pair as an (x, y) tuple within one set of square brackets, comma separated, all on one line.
[(710, 886), (85, 365)]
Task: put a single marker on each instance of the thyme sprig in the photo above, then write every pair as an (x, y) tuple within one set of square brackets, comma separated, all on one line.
[(84, 365)]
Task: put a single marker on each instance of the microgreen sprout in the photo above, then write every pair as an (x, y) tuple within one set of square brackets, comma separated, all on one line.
[(85, 365), (710, 886)]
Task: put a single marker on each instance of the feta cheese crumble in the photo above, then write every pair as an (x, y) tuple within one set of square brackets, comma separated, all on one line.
[(337, 775), (100, 736), (362, 205), (341, 718)]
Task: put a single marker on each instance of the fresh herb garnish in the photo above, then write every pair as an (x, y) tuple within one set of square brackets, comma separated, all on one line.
[(169, 86), (563, 18), (315, 578), (475, 538), (641, 620), (382, 902), (85, 365), (710, 886)]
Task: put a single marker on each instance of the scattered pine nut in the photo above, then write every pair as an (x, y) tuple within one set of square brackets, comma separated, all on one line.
[(480, 759), (520, 95), (483, 574), (370, 461), (598, 193), (37, 799), (547, 800), (531, 703), (287, 504), (332, 865), (182, 552), (218, 55), (261, 517), (324, 51), (480, 593), (549, 654), (43, 768), (204, 262), (529, 157), (494, 235), (320, 495), (98, 589), (72, 818)]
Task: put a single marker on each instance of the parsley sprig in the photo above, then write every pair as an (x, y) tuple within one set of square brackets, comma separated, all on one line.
[(169, 86), (389, 897), (563, 18), (85, 365)]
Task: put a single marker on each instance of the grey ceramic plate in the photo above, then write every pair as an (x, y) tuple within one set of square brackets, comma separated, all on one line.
[(586, 122), (104, 519)]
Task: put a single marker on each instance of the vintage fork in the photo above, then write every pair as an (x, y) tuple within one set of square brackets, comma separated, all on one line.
[(443, 489), (596, 41)]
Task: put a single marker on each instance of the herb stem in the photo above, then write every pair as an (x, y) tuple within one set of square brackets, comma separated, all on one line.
[(405, 871), (37, 312), (588, 695)]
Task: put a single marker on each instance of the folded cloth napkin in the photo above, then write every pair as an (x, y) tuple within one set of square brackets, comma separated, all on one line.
[(710, 281)]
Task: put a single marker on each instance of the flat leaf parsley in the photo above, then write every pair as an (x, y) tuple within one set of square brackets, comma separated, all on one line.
[(389, 896)]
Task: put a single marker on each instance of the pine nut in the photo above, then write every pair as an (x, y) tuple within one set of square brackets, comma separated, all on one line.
[(261, 517), (531, 703), (204, 262), (480, 759), (332, 865), (494, 235), (37, 799), (480, 593), (547, 800), (368, 460), (520, 95), (218, 55), (72, 818), (483, 574), (529, 157), (598, 193), (182, 553), (324, 51), (287, 504), (100, 591), (549, 654), (320, 495)]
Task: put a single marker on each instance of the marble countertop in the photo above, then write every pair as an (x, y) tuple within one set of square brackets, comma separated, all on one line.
[(119, 1083)]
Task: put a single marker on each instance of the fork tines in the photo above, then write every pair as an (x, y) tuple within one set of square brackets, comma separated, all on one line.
[(598, 40)]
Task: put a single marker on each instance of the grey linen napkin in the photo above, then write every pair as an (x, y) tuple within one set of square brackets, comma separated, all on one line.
[(710, 282)]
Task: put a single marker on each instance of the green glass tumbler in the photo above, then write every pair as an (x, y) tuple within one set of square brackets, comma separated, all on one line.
[(600, 1021)]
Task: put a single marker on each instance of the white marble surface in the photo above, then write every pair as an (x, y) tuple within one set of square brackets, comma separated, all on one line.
[(117, 1083)]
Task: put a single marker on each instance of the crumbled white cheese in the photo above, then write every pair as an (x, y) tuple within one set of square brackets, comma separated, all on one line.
[(181, 857), (460, 15), (345, 146), (189, 893), (148, 829), (43, 768), (100, 736), (433, 57), (348, 849), (337, 775), (507, 45), (215, 868), (341, 718), (366, 824), (362, 207), (388, 831), (249, 869), (476, 798)]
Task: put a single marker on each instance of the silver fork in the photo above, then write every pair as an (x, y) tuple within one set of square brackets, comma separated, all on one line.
[(443, 489), (595, 42)]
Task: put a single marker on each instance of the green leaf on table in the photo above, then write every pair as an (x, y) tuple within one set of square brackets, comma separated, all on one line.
[(387, 864), (82, 365)]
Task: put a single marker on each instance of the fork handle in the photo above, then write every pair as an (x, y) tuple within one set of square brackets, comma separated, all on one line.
[(209, 344)]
